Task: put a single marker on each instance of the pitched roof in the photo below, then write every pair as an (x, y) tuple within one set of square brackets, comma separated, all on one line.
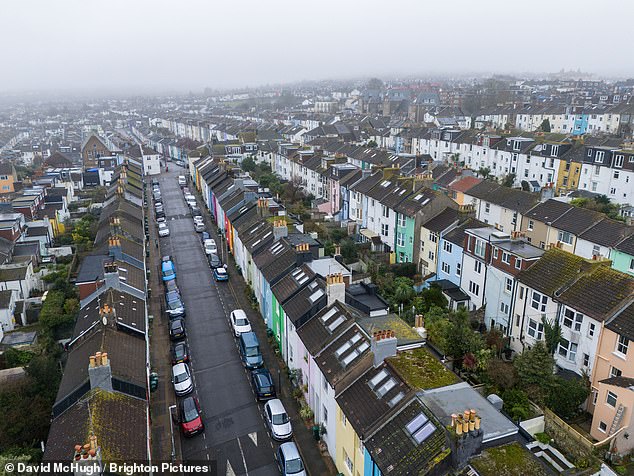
[(548, 211), (577, 220), (626, 246), (510, 198), (465, 183), (607, 232), (442, 221), (457, 235), (625, 382), (623, 323), (600, 293), (553, 270)]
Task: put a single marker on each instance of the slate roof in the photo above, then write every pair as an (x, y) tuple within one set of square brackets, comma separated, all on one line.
[(548, 211), (442, 221), (600, 293), (626, 246), (623, 323), (395, 451), (306, 303), (119, 422), (505, 197), (316, 333), (624, 382), (291, 283), (577, 220), (363, 405), (457, 235), (126, 354), (553, 270), (607, 232)]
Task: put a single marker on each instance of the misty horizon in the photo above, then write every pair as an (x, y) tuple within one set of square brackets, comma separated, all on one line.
[(75, 47)]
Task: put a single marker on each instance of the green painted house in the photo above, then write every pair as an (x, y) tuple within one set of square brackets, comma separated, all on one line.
[(622, 256)]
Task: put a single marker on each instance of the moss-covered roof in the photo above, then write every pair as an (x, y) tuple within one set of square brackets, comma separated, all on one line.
[(421, 370), (508, 460), (552, 271)]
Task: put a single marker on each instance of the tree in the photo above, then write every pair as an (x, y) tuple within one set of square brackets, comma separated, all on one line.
[(430, 297), (348, 251), (545, 126), (501, 375), (461, 339), (552, 334), (516, 404), (248, 164), (484, 172), (372, 144), (534, 369), (494, 340), (508, 180), (566, 396)]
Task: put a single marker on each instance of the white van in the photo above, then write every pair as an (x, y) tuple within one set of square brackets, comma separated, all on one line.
[(182, 181)]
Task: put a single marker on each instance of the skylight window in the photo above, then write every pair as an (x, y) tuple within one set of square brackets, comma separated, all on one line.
[(396, 398), (374, 381), (420, 428), (316, 295), (339, 352), (355, 338), (336, 323), (386, 387), (328, 315), (418, 197), (302, 280)]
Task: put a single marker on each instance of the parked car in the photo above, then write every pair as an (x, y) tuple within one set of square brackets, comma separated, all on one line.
[(160, 219), (177, 328), (180, 353), (160, 214), (186, 191), (204, 236), (182, 379), (168, 271), (239, 322), (198, 219), (215, 261), (182, 181), (175, 306), (170, 286), (189, 417), (220, 274), (250, 350), (277, 419), (290, 461), (163, 230), (155, 182), (263, 384), (210, 246), (199, 226), (159, 207), (196, 212)]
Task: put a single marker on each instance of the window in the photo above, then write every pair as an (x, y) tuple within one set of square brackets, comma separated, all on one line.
[(591, 329), (509, 285), (385, 211), (344, 420), (458, 268), (568, 350), (572, 319), (384, 229), (610, 399), (448, 247), (506, 258), (614, 372), (445, 268), (535, 329), (325, 414), (586, 360), (602, 427), (401, 220), (480, 248), (433, 237), (474, 288), (431, 256), (348, 461), (621, 345), (565, 237), (632, 264), (616, 174), (400, 239), (478, 266), (487, 207), (599, 156), (539, 301), (504, 308), (531, 225), (518, 263), (495, 253)]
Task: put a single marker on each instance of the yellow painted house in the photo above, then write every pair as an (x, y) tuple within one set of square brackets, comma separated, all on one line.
[(8, 177)]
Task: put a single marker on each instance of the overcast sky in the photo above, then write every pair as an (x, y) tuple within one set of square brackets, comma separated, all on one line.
[(190, 44)]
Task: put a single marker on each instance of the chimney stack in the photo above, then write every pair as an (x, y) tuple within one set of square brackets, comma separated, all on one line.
[(280, 230), (87, 459), (335, 288), (99, 372), (111, 275), (383, 346), (114, 247)]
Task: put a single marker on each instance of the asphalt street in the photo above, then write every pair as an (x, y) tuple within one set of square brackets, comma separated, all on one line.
[(235, 433)]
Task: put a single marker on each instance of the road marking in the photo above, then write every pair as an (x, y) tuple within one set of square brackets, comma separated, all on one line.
[(244, 461), (254, 437)]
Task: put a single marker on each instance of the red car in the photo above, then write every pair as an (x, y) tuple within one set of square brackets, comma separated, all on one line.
[(190, 419)]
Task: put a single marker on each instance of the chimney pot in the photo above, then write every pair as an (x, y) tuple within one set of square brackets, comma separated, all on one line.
[(104, 358), (477, 422), (98, 359), (92, 360), (77, 448), (466, 415)]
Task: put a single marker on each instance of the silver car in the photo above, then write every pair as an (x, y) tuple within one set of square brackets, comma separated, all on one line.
[(182, 379), (278, 420)]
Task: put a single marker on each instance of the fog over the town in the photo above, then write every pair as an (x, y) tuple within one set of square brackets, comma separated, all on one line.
[(151, 45)]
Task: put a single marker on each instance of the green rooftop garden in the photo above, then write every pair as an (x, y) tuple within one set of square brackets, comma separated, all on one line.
[(421, 370), (508, 460)]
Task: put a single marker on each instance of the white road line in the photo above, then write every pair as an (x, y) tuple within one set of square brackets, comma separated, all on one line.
[(244, 461)]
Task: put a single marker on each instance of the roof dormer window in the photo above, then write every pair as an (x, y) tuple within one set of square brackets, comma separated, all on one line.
[(516, 145)]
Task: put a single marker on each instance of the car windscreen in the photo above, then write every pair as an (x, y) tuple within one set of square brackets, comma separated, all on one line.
[(280, 419), (173, 305), (253, 351), (190, 412), (180, 378), (241, 321)]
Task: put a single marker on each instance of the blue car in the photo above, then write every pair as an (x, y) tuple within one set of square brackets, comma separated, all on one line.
[(168, 271), (220, 274)]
